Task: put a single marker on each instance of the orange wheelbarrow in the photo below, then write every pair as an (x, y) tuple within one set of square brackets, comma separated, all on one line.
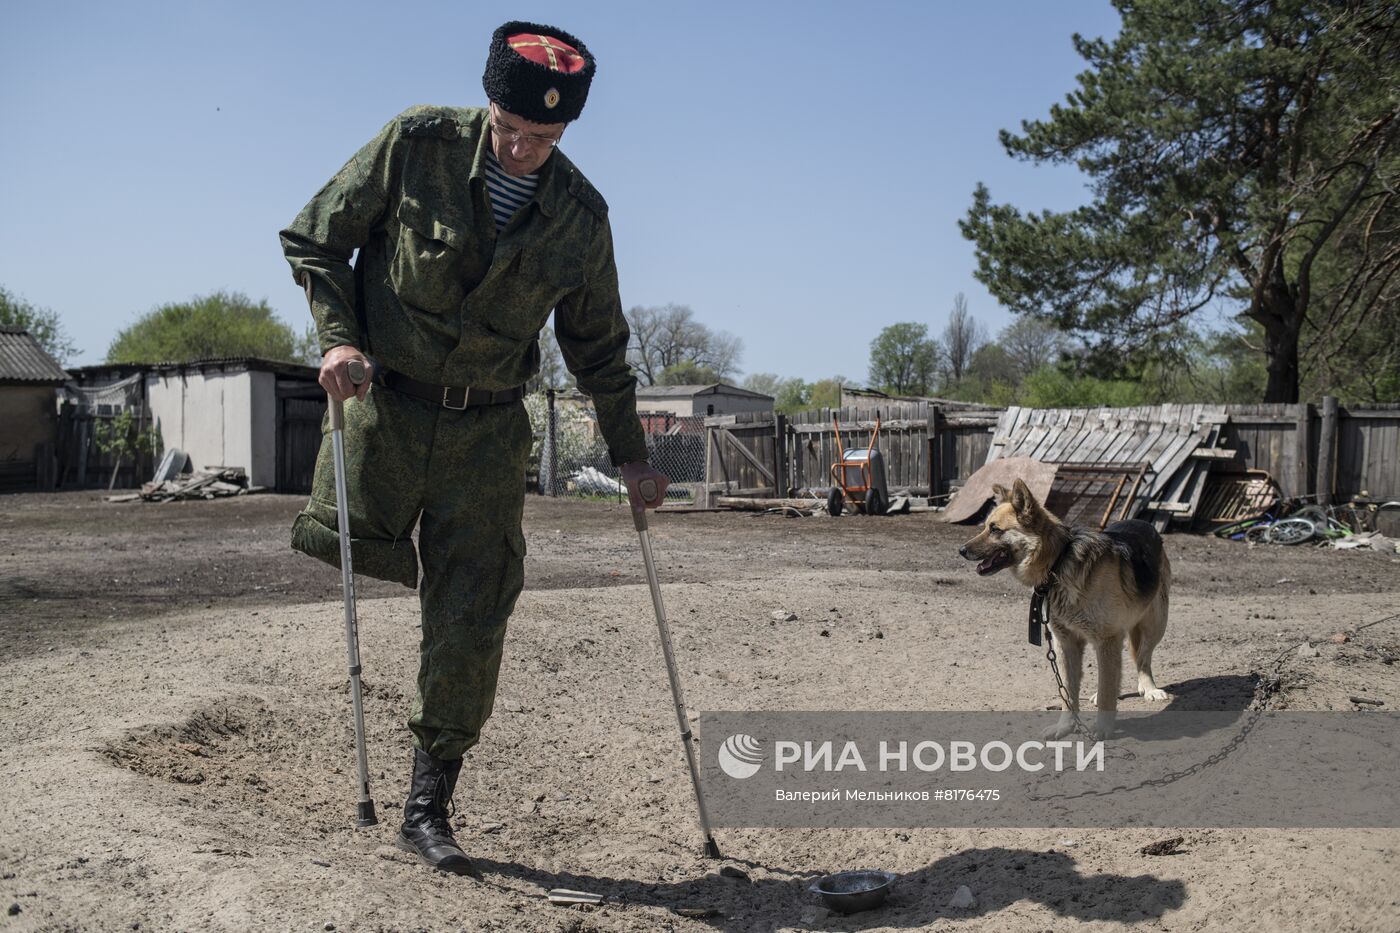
[(859, 476)]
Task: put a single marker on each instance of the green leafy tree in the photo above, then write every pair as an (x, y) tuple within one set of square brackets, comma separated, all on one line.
[(1238, 150), (904, 359), (575, 432), (1052, 387), (789, 395), (793, 395), (124, 436), (826, 393), (308, 347), (41, 323), (991, 378), (767, 383), (688, 373), (222, 324), (1030, 343), (1351, 355), (1221, 367)]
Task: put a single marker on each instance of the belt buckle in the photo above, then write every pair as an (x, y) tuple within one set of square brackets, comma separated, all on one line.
[(447, 397)]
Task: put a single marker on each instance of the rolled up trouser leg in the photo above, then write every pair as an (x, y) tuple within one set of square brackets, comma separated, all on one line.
[(473, 557), (387, 446)]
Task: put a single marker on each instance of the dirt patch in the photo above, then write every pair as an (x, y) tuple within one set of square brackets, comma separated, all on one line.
[(192, 743), (175, 752)]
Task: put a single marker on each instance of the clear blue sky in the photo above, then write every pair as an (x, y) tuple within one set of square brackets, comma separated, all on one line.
[(792, 171)]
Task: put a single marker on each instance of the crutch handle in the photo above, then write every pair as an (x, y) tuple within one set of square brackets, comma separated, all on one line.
[(647, 490), (355, 369)]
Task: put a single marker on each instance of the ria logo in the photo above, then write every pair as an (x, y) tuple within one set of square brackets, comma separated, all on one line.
[(741, 756)]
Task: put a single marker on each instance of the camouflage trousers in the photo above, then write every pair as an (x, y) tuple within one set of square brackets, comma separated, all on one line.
[(459, 476)]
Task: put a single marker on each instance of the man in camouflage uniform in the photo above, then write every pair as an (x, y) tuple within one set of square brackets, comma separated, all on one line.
[(448, 301)]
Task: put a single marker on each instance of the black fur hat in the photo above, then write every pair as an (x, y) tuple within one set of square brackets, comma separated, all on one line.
[(538, 72)]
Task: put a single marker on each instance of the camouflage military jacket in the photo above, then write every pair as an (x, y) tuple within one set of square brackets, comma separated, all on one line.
[(444, 299)]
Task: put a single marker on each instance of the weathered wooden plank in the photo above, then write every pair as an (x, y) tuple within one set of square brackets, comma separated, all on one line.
[(1391, 414), (1263, 419), (763, 504), (1001, 433), (1125, 439), (1101, 434), (1026, 443), (1196, 486), (1143, 451), (1112, 436), (727, 421), (1168, 465), (1177, 449), (1300, 475), (854, 425), (1327, 451), (1066, 423), (748, 455), (729, 489), (1070, 452)]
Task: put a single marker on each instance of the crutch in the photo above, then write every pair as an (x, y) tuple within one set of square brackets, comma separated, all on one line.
[(647, 489), (364, 810)]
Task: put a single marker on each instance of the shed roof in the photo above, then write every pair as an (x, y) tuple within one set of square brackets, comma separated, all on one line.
[(22, 359), (690, 391), (221, 364)]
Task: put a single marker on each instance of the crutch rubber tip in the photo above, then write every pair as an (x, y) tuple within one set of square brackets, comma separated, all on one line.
[(364, 815), (711, 850)]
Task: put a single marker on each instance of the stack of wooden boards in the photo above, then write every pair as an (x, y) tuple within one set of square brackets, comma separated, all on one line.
[(1164, 451), (209, 483)]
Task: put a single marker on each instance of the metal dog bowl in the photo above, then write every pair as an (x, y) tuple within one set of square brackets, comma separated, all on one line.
[(853, 891)]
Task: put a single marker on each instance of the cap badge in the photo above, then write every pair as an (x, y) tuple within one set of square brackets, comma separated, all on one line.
[(551, 98)]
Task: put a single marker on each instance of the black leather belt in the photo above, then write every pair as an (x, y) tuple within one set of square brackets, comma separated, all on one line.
[(454, 397)]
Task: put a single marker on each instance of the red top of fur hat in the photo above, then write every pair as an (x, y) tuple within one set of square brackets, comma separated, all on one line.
[(547, 51)]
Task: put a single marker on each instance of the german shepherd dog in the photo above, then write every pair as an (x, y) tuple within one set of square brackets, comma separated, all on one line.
[(1103, 587)]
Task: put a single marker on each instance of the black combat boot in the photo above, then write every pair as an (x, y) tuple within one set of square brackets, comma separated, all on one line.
[(425, 831)]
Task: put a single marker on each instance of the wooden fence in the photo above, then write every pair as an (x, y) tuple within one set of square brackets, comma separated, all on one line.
[(744, 455), (79, 462), (925, 448), (1299, 445), (932, 449)]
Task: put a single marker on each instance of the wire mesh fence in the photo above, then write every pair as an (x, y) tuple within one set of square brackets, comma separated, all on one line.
[(570, 456)]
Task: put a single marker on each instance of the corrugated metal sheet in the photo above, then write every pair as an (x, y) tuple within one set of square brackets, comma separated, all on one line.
[(23, 360)]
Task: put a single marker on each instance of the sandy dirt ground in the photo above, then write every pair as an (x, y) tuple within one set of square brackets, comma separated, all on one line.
[(176, 750)]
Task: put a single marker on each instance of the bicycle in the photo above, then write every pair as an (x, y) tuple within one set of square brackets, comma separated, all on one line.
[(1290, 522)]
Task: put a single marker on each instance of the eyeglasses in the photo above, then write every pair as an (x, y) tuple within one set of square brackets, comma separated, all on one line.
[(510, 134)]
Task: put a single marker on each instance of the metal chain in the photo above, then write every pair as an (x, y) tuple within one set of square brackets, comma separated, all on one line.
[(1266, 687), (1040, 616), (1060, 684)]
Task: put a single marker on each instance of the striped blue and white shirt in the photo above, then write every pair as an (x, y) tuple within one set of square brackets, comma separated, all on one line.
[(508, 192)]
